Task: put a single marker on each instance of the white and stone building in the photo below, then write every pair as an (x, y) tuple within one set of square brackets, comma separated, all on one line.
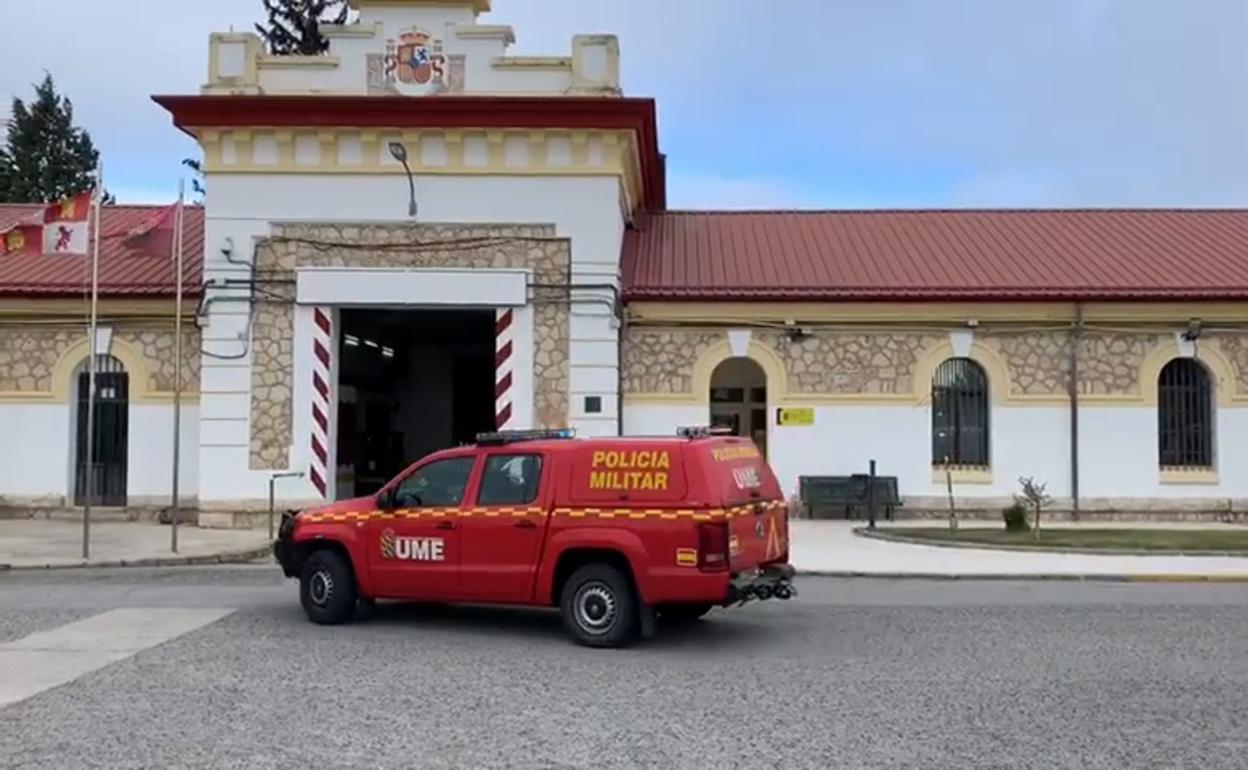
[(417, 236)]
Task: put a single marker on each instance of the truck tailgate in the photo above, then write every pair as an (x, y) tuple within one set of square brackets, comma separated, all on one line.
[(758, 533)]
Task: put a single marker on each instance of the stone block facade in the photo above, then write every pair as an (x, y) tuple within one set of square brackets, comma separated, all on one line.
[(29, 355), (158, 358), (660, 361), (850, 363), (533, 248)]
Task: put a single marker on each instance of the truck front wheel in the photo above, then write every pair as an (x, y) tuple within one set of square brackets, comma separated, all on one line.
[(327, 588), (599, 607)]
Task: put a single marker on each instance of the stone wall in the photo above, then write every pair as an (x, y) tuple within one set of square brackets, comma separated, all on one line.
[(534, 248), (850, 363), (1039, 362), (661, 360), (157, 350), (28, 355), (1235, 347), (272, 365)]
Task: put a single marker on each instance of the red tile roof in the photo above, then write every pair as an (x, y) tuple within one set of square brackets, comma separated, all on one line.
[(939, 255), (125, 271)]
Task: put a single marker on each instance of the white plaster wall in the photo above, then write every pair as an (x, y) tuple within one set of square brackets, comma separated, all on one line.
[(241, 208), (1118, 449), (511, 81), (661, 419), (844, 439), (35, 460), (149, 475), (1120, 454), (37, 454), (435, 19)]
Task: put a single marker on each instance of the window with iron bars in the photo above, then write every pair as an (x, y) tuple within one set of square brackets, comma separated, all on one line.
[(1185, 415), (960, 414)]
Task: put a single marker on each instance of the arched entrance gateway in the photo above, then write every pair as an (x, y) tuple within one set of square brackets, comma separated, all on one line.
[(111, 432), (738, 399), (447, 235)]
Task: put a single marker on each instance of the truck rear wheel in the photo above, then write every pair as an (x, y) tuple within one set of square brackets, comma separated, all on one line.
[(599, 607), (327, 588)]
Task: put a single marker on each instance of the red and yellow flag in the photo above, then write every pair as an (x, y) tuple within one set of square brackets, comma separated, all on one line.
[(60, 228), (21, 239), (76, 209)]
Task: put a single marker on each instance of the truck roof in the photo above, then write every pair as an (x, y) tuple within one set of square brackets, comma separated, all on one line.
[(564, 439)]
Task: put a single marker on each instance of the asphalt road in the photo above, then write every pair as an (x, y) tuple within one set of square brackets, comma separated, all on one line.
[(852, 674)]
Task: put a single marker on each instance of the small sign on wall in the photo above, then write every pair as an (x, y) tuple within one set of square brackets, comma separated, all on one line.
[(789, 417)]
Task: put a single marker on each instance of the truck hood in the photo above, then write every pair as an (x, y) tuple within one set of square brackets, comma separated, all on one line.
[(345, 506)]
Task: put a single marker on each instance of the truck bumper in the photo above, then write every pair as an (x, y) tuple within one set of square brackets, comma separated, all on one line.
[(284, 546), (772, 581)]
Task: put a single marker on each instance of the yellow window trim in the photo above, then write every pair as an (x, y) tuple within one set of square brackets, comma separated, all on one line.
[(1177, 475), (962, 474)]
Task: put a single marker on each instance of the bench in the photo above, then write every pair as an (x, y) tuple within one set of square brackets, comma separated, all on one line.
[(845, 497)]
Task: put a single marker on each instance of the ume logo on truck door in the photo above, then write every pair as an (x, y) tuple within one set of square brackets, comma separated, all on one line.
[(746, 478), (412, 548)]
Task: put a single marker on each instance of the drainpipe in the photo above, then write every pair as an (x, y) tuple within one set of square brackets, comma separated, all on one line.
[(1076, 334), (619, 372)]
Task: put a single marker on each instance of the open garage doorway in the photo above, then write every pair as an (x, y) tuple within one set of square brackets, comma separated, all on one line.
[(410, 382)]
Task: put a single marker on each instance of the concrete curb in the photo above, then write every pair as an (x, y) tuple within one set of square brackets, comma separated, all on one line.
[(1036, 576), (893, 537), (228, 557)]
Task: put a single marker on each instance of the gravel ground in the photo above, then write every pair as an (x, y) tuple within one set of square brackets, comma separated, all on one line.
[(852, 674), (15, 625)]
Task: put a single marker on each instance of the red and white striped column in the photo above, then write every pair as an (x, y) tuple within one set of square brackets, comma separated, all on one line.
[(504, 360), (322, 344)]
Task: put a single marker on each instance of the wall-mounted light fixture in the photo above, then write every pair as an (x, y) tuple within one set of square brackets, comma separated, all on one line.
[(399, 152)]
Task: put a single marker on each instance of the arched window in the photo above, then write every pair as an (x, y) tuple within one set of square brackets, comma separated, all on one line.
[(739, 399), (1185, 415), (960, 414)]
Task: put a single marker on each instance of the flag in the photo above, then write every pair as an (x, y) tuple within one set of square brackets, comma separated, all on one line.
[(21, 239), (25, 236), (155, 235), (59, 228), (66, 226)]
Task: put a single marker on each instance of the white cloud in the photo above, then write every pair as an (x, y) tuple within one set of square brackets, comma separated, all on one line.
[(789, 103)]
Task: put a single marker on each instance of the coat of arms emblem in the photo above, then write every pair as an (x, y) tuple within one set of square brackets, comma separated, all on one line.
[(414, 63)]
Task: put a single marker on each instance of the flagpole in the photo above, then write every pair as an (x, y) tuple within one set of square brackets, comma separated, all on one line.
[(96, 200), (177, 357)]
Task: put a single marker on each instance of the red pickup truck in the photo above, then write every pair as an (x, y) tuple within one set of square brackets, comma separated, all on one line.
[(614, 531)]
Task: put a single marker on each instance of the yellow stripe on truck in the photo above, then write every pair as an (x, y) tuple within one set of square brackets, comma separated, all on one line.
[(709, 514)]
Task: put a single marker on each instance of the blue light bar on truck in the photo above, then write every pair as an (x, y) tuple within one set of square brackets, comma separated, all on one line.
[(703, 431), (499, 437)]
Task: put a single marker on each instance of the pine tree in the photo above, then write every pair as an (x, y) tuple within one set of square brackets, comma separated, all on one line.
[(197, 181), (46, 158), (294, 25)]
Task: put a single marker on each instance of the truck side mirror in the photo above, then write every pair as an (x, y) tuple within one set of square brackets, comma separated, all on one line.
[(385, 500)]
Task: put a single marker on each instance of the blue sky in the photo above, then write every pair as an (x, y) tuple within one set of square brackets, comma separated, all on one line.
[(788, 103)]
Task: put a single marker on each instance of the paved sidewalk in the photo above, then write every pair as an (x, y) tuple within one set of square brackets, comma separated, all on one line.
[(830, 547), (33, 543)]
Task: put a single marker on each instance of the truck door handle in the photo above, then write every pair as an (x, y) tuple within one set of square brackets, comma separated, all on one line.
[(526, 524), (446, 525)]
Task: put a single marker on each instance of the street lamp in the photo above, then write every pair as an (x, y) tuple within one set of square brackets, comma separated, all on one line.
[(399, 153)]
